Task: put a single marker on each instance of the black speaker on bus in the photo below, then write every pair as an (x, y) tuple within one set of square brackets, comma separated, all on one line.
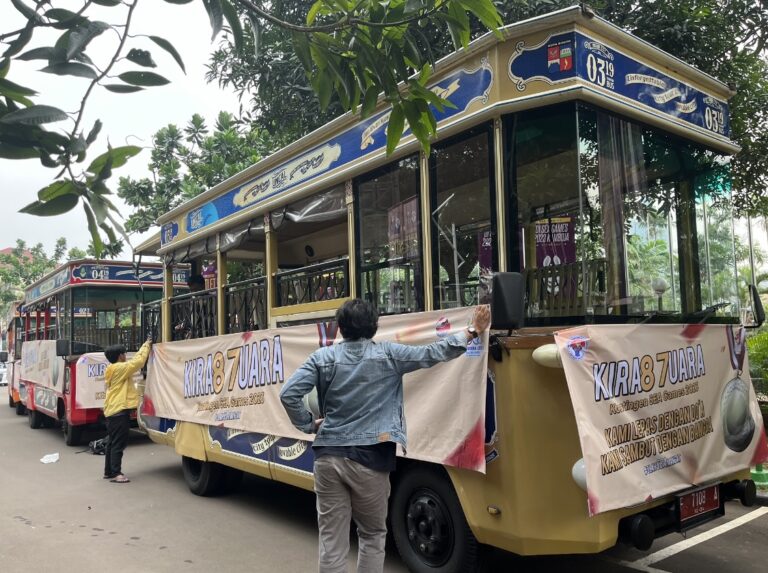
[(507, 301)]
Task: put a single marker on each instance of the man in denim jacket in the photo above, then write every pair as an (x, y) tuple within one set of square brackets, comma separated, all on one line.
[(360, 390)]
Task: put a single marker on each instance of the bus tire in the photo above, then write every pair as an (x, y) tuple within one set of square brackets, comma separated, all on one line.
[(35, 419), (428, 524), (203, 478), (73, 435), (21, 409)]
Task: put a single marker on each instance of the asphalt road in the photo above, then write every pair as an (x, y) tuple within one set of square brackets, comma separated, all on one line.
[(62, 517)]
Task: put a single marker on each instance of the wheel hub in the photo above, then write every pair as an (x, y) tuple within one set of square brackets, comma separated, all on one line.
[(429, 526)]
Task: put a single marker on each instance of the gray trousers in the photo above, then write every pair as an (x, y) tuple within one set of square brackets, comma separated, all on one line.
[(347, 489)]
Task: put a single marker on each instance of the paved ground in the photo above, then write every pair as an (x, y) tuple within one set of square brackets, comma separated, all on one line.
[(63, 518)]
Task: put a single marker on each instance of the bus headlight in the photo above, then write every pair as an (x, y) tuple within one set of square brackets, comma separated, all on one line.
[(547, 355), (579, 474)]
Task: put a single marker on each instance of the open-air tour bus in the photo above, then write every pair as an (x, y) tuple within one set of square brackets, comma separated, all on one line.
[(579, 183)]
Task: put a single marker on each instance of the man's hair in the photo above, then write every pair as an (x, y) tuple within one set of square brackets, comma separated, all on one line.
[(357, 319), (196, 280), (113, 352)]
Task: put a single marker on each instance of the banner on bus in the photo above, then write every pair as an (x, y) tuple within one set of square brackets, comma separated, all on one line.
[(89, 376), (233, 381), (660, 408), (41, 366)]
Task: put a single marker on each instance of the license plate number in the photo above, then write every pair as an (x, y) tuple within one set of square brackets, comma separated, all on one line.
[(699, 502)]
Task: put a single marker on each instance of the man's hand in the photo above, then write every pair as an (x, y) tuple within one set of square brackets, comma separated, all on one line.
[(318, 423), (482, 318)]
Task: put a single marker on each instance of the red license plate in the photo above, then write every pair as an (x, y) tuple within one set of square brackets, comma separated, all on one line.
[(699, 502)]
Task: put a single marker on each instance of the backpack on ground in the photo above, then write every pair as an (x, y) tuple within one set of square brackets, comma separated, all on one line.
[(98, 447)]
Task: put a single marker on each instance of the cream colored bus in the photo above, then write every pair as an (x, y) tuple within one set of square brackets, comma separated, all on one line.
[(587, 172)]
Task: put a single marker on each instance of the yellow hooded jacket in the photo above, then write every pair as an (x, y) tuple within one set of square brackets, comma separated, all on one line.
[(118, 378)]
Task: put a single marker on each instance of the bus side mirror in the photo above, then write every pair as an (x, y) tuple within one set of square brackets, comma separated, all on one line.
[(758, 313), (507, 301), (3, 357)]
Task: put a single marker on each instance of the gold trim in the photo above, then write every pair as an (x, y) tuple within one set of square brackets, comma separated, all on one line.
[(309, 307)]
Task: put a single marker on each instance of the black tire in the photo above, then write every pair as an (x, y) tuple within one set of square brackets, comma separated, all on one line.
[(36, 419), (203, 478), (73, 435), (428, 524), (21, 409)]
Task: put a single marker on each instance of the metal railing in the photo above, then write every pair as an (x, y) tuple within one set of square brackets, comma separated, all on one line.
[(152, 320), (246, 305), (323, 281), (194, 315), (98, 339)]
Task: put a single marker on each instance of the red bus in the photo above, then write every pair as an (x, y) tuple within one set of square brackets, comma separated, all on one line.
[(67, 320)]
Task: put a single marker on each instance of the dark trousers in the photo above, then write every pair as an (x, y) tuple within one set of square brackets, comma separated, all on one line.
[(118, 427)]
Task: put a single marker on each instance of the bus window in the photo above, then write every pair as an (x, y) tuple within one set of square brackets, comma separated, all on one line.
[(547, 209), (462, 229), (389, 230), (654, 212), (312, 249)]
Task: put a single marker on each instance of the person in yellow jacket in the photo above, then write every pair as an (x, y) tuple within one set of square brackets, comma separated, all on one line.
[(121, 398)]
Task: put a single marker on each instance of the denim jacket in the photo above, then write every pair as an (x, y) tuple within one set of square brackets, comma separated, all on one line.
[(360, 388)]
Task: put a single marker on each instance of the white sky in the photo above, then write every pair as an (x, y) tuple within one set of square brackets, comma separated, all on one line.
[(129, 119)]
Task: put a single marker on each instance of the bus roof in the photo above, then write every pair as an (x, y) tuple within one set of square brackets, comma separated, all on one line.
[(496, 74), (92, 272)]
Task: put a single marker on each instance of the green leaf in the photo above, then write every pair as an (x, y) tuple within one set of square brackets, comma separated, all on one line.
[(8, 87), (485, 11), (168, 47), (14, 152), (234, 25), (28, 12), (215, 15), (35, 115), (143, 79), (324, 88), (57, 189), (98, 244), (71, 69), (141, 57), (112, 2), (44, 53), (99, 208), (58, 206), (312, 14), (82, 36), (5, 65), (65, 18), (119, 156), (370, 99), (18, 44), (123, 89), (94, 133), (178, 1), (395, 127), (301, 47)]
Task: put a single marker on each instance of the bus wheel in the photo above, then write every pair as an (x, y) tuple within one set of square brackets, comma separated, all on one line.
[(35, 419), (203, 478), (21, 409), (73, 435), (429, 527)]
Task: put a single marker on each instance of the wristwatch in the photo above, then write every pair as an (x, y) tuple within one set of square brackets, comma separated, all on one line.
[(472, 331)]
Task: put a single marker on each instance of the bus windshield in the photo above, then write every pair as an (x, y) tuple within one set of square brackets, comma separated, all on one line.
[(619, 221)]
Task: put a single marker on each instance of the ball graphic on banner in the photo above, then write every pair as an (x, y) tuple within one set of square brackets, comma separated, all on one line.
[(738, 424)]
